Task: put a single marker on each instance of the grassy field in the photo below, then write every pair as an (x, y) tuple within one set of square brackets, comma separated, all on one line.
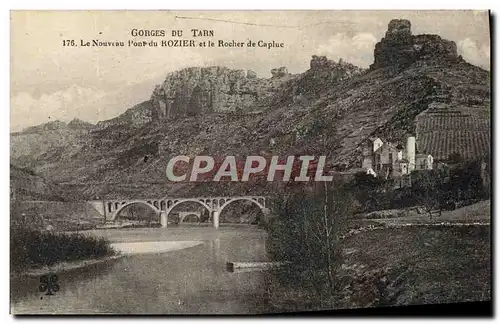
[(399, 266), (478, 212)]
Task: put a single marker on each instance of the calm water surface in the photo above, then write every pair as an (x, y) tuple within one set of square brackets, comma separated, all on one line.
[(189, 281)]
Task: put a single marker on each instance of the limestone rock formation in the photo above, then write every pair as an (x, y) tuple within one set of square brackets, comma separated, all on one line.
[(318, 62), (134, 117), (79, 124), (323, 72), (356, 103), (398, 28), (251, 74), (195, 91), (400, 48), (57, 125), (50, 126), (279, 72)]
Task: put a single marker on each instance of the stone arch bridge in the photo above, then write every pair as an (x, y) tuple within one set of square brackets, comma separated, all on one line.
[(215, 205)]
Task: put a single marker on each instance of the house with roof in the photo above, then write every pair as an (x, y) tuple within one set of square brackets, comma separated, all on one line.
[(389, 160), (424, 162)]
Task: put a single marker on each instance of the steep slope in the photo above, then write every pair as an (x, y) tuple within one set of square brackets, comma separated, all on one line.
[(35, 142), (26, 185), (217, 111), (115, 147), (41, 204)]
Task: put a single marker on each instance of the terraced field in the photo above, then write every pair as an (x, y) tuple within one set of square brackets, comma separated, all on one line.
[(441, 133)]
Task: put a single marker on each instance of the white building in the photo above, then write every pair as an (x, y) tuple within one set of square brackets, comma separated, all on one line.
[(423, 162), (390, 160)]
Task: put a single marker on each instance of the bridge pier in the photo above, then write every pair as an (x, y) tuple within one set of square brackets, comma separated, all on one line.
[(215, 219), (110, 209), (163, 219), (100, 207), (266, 212)]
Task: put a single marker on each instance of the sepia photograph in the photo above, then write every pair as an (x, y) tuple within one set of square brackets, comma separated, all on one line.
[(250, 162)]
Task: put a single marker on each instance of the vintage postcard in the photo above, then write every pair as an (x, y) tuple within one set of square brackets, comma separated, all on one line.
[(250, 162)]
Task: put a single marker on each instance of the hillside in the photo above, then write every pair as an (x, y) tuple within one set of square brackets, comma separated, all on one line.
[(26, 185), (445, 131), (217, 111), (38, 142), (39, 203)]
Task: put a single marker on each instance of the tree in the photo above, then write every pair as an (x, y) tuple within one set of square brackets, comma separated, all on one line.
[(370, 191), (455, 158), (465, 180), (328, 224), (306, 230), (428, 190), (310, 217)]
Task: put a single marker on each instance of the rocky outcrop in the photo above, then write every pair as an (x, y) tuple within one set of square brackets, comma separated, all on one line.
[(400, 48), (134, 117), (251, 74), (322, 62), (339, 70), (322, 72), (50, 126), (57, 125), (78, 124), (195, 91), (279, 72), (117, 151)]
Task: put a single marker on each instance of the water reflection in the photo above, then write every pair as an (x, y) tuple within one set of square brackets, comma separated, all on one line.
[(189, 281)]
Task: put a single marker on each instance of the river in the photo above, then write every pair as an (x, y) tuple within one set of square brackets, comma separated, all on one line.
[(188, 281)]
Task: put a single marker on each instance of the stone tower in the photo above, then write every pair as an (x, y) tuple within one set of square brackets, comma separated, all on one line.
[(410, 153)]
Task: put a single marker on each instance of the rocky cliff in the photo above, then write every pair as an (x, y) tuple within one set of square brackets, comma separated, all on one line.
[(199, 91), (322, 72), (400, 48), (195, 91), (192, 112)]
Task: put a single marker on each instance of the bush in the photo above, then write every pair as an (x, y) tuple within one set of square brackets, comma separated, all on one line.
[(32, 248)]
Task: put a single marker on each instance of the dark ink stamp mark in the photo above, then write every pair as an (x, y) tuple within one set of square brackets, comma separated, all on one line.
[(49, 284)]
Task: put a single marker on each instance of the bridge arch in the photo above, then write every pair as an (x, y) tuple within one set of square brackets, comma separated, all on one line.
[(256, 200), (128, 203), (184, 215), (181, 201)]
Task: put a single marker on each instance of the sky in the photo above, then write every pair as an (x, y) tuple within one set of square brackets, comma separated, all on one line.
[(54, 82)]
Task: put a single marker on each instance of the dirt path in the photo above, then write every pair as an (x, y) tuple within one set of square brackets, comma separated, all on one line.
[(476, 213)]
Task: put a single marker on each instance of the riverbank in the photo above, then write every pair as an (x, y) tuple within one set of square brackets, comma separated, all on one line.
[(131, 241), (397, 266), (35, 249), (122, 250), (153, 247), (63, 266), (191, 280)]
